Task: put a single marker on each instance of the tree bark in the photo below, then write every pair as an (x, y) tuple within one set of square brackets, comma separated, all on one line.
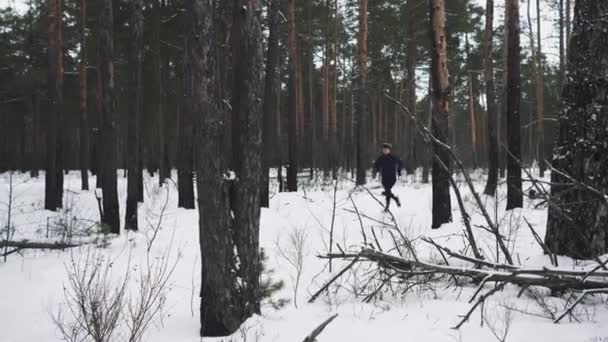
[(185, 175), (247, 153), (136, 22), (292, 111), (362, 111), (492, 181), (84, 118), (108, 113), (270, 85), (578, 217), (514, 183), (412, 49), (54, 162), (442, 207), (540, 95), (220, 310)]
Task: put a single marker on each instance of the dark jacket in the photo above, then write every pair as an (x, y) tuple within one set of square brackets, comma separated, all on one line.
[(389, 167)]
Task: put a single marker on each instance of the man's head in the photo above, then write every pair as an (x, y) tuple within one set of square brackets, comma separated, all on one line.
[(386, 148)]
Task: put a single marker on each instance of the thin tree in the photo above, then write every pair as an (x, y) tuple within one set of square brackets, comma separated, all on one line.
[(270, 87), (578, 216), (488, 72), (54, 161), (362, 100), (105, 69), (84, 117), (292, 110), (514, 183), (136, 22), (540, 95), (442, 207), (412, 49)]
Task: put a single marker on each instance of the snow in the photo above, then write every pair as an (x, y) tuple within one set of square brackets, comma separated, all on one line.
[(32, 284)]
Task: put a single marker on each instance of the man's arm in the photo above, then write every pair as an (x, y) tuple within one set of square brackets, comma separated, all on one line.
[(376, 167)]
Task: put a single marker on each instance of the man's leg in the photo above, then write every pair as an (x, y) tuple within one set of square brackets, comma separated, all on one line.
[(387, 195)]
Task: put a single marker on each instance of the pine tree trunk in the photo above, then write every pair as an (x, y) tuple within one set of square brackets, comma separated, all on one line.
[(514, 183), (540, 96), (488, 69), (84, 117), (412, 48), (54, 161), (185, 175), (136, 22), (292, 111), (578, 217), (442, 208), (247, 153), (362, 111), (270, 85), (223, 309), (108, 112), (562, 52)]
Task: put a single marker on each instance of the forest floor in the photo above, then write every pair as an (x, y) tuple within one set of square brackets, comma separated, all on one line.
[(33, 283)]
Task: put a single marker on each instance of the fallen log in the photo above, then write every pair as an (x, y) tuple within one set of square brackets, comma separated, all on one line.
[(25, 244), (552, 279)]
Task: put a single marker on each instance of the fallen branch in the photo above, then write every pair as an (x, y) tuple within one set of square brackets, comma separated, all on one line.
[(312, 337), (578, 300), (36, 245)]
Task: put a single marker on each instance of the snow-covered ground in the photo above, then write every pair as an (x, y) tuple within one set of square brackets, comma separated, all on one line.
[(32, 283)]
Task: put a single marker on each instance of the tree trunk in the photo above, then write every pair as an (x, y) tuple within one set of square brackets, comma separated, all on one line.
[(514, 184), (362, 101), (136, 22), (442, 208), (270, 85), (562, 52), (247, 153), (292, 111), (84, 118), (568, 26), (578, 217), (412, 49), (185, 175), (488, 69), (540, 96), (54, 162), (218, 301), (159, 92), (108, 112)]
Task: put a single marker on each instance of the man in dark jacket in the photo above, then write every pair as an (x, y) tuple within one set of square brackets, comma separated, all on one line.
[(389, 167)]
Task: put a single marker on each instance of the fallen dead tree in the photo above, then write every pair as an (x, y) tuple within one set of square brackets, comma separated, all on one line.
[(481, 272), (25, 244)]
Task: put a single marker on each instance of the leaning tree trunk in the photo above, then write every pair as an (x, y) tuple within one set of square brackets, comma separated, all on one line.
[(514, 186), (268, 138), (361, 114), (108, 112), (84, 117), (247, 153), (488, 72), (578, 215), (442, 207), (54, 166), (220, 310), (185, 174), (135, 102)]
